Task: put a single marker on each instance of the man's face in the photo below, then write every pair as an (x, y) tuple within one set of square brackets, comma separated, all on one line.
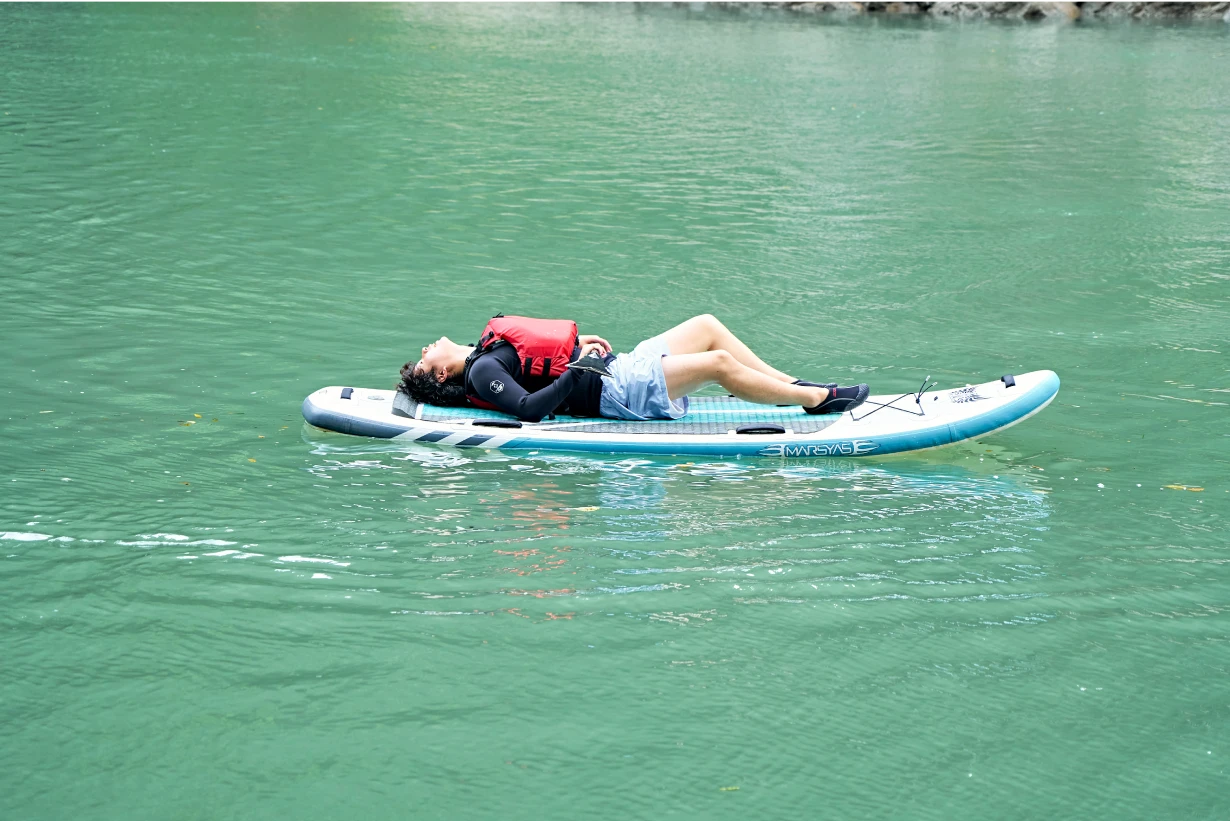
[(435, 359)]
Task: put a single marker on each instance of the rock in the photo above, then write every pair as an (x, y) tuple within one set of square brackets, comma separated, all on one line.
[(1040, 11), (1156, 11), (1020, 11), (1023, 11)]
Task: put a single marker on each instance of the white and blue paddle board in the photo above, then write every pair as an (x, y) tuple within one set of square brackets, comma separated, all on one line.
[(714, 426)]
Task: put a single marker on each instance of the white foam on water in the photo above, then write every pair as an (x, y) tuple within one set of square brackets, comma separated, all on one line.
[(24, 537), (208, 542), (312, 560), (238, 554)]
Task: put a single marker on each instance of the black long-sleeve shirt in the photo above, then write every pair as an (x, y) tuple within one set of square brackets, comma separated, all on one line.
[(495, 377)]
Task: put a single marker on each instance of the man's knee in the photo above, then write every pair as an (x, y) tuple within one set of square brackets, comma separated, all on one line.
[(722, 362)]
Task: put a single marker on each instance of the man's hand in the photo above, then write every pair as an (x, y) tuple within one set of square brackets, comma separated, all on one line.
[(594, 348), (593, 344)]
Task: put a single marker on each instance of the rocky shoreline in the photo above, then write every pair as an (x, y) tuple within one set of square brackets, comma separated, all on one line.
[(1018, 11)]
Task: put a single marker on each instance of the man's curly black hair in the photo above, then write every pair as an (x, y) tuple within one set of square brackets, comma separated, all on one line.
[(423, 387)]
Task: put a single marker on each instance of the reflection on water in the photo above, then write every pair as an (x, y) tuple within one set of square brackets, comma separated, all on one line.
[(598, 535)]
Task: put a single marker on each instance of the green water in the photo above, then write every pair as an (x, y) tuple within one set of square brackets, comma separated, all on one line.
[(212, 611)]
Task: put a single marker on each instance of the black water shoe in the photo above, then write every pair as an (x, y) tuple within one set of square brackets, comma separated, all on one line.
[(804, 383), (842, 399)]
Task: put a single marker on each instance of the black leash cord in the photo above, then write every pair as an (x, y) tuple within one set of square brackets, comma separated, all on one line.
[(893, 403)]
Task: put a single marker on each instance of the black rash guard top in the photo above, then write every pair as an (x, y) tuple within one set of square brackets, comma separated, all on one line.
[(495, 377)]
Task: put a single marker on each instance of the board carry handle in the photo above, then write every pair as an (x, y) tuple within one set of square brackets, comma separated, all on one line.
[(759, 429), (497, 423)]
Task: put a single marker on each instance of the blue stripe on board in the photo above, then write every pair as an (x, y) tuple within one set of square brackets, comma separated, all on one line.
[(707, 406), (434, 436), (477, 439)]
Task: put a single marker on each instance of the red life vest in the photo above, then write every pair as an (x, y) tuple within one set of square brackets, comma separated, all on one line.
[(544, 347)]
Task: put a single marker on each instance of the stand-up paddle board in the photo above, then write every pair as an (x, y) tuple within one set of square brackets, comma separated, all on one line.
[(714, 425)]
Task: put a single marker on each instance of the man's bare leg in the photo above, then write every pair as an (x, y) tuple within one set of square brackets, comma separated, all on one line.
[(706, 333), (689, 372)]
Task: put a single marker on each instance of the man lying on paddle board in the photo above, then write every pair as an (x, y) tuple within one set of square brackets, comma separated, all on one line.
[(530, 368)]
